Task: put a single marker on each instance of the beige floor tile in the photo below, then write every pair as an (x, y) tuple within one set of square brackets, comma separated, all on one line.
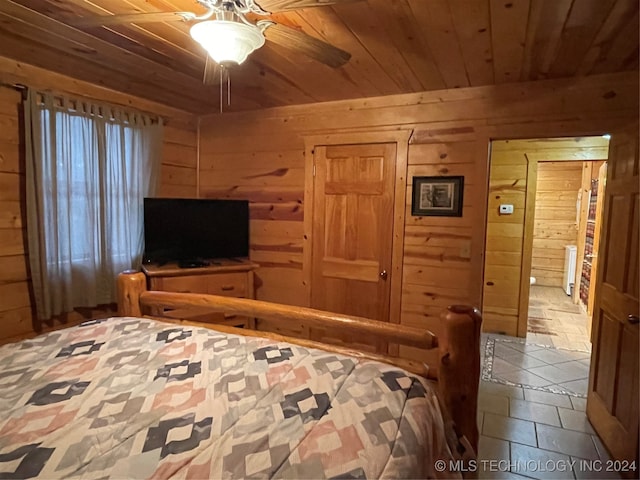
[(563, 343), (512, 429), (490, 403), (492, 474), (538, 463), (586, 341), (525, 377), (502, 390), (602, 451), (492, 448), (523, 360), (537, 312), (550, 356), (575, 367), (579, 317), (560, 336), (572, 443), (564, 322), (575, 420), (502, 366), (578, 345), (525, 347), (577, 356), (579, 404), (502, 349), (566, 327), (548, 398), (535, 412), (578, 387), (592, 470), (556, 374), (540, 339)]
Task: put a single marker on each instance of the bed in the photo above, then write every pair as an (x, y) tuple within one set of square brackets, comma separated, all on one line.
[(137, 396)]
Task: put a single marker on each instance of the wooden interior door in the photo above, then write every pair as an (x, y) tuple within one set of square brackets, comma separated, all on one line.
[(352, 233), (612, 401)]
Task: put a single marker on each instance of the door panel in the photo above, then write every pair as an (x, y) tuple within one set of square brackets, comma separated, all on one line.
[(352, 233), (612, 401)]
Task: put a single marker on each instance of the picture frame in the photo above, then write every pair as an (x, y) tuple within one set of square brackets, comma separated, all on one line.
[(437, 196)]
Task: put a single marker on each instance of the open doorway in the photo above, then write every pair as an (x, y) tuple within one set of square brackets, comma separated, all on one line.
[(542, 225), (553, 375), (565, 238)]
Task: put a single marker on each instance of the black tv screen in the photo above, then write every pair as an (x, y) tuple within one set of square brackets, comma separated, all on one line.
[(181, 230)]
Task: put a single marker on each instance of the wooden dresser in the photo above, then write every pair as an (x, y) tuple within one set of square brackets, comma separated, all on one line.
[(230, 278)]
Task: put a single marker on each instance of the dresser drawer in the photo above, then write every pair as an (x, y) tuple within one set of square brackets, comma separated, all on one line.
[(227, 284), (233, 279), (187, 284)]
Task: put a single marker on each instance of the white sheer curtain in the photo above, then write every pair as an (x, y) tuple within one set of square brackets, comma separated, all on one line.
[(89, 166)]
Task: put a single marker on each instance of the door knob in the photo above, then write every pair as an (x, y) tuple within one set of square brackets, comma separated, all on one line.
[(633, 319), (383, 274)]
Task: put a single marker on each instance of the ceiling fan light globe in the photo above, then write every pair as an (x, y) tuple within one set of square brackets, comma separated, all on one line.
[(227, 42)]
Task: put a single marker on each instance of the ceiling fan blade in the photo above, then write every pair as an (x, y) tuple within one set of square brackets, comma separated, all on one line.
[(105, 20), (211, 72), (297, 40), (274, 6)]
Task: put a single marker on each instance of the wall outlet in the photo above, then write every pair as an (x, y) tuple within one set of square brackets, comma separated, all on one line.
[(506, 209)]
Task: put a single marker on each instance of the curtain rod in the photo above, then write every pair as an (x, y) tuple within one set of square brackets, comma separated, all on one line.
[(16, 86), (22, 88)]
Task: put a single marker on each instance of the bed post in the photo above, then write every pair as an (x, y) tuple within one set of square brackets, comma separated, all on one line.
[(460, 368), (131, 284)]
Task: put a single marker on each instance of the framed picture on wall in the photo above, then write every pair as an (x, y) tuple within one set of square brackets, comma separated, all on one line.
[(437, 196)]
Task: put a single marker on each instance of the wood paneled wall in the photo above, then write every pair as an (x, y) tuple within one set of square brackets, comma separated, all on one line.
[(178, 178), (556, 221), (178, 173), (510, 172), (259, 156), (267, 170), (15, 302), (437, 250)]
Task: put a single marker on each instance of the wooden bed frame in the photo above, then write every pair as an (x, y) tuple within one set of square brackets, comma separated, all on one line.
[(457, 373)]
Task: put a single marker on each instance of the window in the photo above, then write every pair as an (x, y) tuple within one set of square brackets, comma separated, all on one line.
[(88, 169)]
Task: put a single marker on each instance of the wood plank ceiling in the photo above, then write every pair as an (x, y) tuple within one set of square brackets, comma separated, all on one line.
[(397, 46)]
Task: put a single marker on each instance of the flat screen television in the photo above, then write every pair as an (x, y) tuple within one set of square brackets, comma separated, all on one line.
[(194, 231)]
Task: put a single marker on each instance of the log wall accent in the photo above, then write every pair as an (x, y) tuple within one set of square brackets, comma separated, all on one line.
[(259, 156), (178, 179)]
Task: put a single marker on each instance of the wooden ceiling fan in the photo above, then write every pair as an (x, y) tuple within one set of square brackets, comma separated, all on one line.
[(231, 15)]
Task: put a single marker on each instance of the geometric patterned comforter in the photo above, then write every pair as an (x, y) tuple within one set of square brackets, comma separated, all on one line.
[(138, 398)]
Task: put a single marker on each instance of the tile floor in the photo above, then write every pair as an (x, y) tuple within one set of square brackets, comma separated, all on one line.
[(527, 432), (555, 320), (512, 361), (531, 405)]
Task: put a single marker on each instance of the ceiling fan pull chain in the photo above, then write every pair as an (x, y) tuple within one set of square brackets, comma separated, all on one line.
[(221, 86), (228, 88)]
